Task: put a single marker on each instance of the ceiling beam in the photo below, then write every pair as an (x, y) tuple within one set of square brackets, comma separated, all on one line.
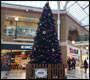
[(71, 5), (86, 7), (83, 18), (66, 5), (81, 7)]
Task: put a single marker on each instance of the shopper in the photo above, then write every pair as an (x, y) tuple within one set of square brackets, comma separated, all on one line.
[(1, 64), (85, 65), (73, 63), (69, 63), (88, 62)]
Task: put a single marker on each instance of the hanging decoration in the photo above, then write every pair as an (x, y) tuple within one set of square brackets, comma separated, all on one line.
[(44, 32)]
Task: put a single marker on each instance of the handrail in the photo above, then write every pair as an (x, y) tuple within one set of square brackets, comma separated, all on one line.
[(79, 38)]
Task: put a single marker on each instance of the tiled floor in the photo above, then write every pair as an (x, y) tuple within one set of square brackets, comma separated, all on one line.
[(16, 74), (3, 73), (78, 73)]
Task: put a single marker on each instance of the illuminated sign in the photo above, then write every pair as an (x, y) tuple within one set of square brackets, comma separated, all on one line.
[(26, 47), (16, 47)]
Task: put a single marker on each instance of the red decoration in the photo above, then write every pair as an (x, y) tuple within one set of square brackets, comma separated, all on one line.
[(44, 38), (70, 50)]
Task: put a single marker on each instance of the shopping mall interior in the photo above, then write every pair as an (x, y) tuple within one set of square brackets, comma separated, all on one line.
[(19, 24)]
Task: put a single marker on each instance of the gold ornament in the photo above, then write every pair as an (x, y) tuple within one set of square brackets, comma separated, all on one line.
[(44, 39), (44, 32), (41, 55), (53, 49)]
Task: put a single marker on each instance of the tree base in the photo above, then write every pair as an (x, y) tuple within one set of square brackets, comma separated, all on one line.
[(54, 71)]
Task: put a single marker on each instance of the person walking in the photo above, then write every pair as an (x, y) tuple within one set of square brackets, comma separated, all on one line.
[(69, 63), (88, 62), (73, 63), (85, 65)]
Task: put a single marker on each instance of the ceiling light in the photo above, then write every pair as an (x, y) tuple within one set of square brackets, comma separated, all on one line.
[(86, 47), (16, 18), (73, 42)]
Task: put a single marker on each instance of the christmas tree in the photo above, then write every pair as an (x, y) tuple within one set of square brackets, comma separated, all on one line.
[(46, 48)]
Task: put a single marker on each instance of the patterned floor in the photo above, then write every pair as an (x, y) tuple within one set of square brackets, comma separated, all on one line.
[(78, 73)]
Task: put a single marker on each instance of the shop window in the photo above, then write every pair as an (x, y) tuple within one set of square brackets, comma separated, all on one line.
[(26, 31), (21, 31), (33, 32), (73, 34), (9, 31)]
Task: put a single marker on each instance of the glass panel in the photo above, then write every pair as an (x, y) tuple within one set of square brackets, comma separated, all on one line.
[(26, 31), (83, 4), (38, 4), (70, 4), (77, 12), (87, 10), (87, 27), (85, 21), (53, 4), (9, 31), (62, 3)]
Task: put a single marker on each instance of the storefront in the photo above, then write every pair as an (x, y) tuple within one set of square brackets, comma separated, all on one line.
[(85, 55), (74, 52), (15, 56)]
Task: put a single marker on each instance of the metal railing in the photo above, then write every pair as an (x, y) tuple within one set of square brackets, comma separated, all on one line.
[(78, 38)]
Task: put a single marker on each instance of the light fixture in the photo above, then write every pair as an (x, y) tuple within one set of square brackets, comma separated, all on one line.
[(73, 42), (24, 30), (16, 18), (86, 47), (23, 53)]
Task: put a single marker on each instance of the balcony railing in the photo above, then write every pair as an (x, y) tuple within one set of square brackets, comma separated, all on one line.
[(21, 31), (78, 38)]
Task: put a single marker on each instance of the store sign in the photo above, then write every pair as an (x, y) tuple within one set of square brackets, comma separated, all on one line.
[(3, 51), (26, 47), (40, 73), (75, 51), (16, 47)]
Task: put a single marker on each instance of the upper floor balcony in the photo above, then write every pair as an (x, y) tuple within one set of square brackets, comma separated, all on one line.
[(78, 38)]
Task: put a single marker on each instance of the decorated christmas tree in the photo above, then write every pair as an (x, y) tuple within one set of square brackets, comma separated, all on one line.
[(46, 48)]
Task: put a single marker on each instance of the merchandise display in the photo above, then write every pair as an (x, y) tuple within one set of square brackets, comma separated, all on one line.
[(5, 62)]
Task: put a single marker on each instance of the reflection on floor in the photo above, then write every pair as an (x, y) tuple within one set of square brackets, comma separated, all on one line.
[(3, 73), (15, 74), (78, 73)]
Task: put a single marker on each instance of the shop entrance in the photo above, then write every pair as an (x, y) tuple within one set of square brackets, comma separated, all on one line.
[(15, 59), (19, 59)]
